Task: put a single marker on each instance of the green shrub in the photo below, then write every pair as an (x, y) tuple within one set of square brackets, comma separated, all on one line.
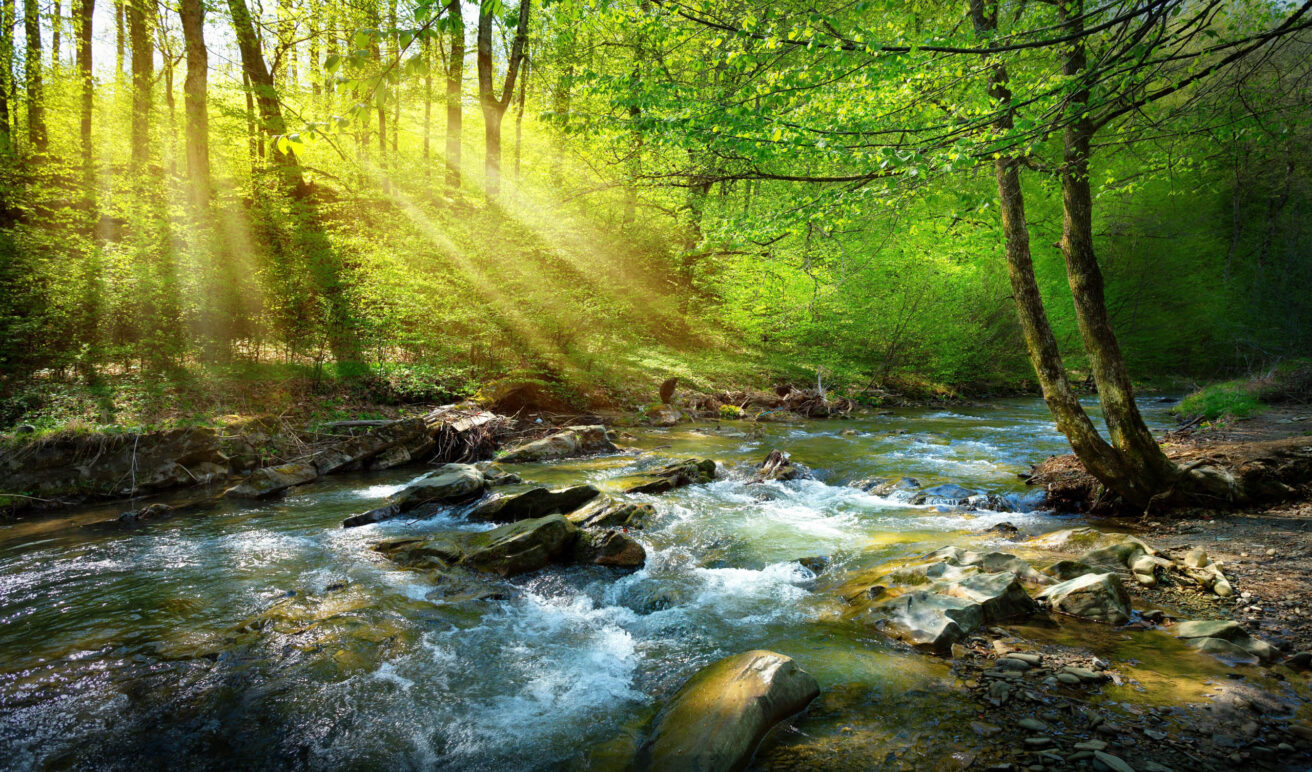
[(1234, 399)]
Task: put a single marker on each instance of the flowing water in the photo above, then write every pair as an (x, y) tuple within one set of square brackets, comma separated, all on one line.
[(127, 649)]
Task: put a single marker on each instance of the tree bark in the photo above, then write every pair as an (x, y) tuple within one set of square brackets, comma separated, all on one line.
[(36, 113), (1146, 469), (56, 31), (428, 106), (142, 75), (494, 107), (265, 95), (195, 88), (85, 13), (118, 37), (454, 77), (7, 20), (519, 116)]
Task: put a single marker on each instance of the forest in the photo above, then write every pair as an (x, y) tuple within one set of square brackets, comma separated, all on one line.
[(385, 383)]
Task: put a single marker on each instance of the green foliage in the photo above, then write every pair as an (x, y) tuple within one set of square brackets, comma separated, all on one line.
[(1229, 399)]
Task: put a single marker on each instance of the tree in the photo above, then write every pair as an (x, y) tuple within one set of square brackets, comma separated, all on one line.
[(36, 113), (264, 93), (7, 12), (494, 107), (85, 13), (139, 16), (192, 14), (454, 81)]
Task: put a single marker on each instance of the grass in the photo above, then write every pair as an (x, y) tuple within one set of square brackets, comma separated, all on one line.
[(1287, 382)]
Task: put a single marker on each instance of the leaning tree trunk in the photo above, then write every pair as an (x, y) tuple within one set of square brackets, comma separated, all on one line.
[(454, 76), (36, 112), (265, 95), (85, 13), (1101, 459), (1149, 472), (142, 76), (194, 88)]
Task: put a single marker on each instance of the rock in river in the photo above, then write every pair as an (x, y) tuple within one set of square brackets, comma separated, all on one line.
[(778, 466), (535, 502), (570, 442), (604, 511), (450, 484), (511, 549), (1098, 597), (675, 475), (272, 480), (1225, 639), (722, 713), (517, 548)]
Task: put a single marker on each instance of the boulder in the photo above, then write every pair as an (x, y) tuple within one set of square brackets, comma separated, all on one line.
[(778, 466), (383, 447), (535, 502), (608, 512), (450, 484), (272, 480), (1226, 639), (717, 719), (570, 442), (992, 563), (902, 489), (1097, 597), (609, 548), (517, 548), (1063, 570), (675, 475), (929, 620), (999, 595), (665, 415)]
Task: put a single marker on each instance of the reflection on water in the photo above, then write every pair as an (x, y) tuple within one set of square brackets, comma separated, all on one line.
[(136, 649)]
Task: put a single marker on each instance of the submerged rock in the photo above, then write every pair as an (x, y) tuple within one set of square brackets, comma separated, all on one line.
[(1064, 570), (535, 502), (605, 511), (676, 475), (719, 717), (905, 487), (571, 442), (991, 562), (1097, 597), (1226, 639), (950, 494), (272, 480), (450, 484), (148, 513)]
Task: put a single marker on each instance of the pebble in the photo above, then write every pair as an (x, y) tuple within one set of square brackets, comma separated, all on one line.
[(984, 730), (1032, 724), (1038, 742), (1068, 678), (1091, 745), (1032, 659), (1083, 674), (1114, 763), (1012, 663)]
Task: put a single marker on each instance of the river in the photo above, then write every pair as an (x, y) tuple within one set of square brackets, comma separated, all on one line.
[(122, 649)]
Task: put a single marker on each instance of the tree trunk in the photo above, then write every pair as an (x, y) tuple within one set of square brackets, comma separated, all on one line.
[(519, 117), (36, 113), (396, 57), (428, 106), (494, 107), (1147, 470), (85, 13), (195, 88), (1099, 458), (454, 76), (142, 75), (56, 30), (7, 19), (265, 95), (118, 37)]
